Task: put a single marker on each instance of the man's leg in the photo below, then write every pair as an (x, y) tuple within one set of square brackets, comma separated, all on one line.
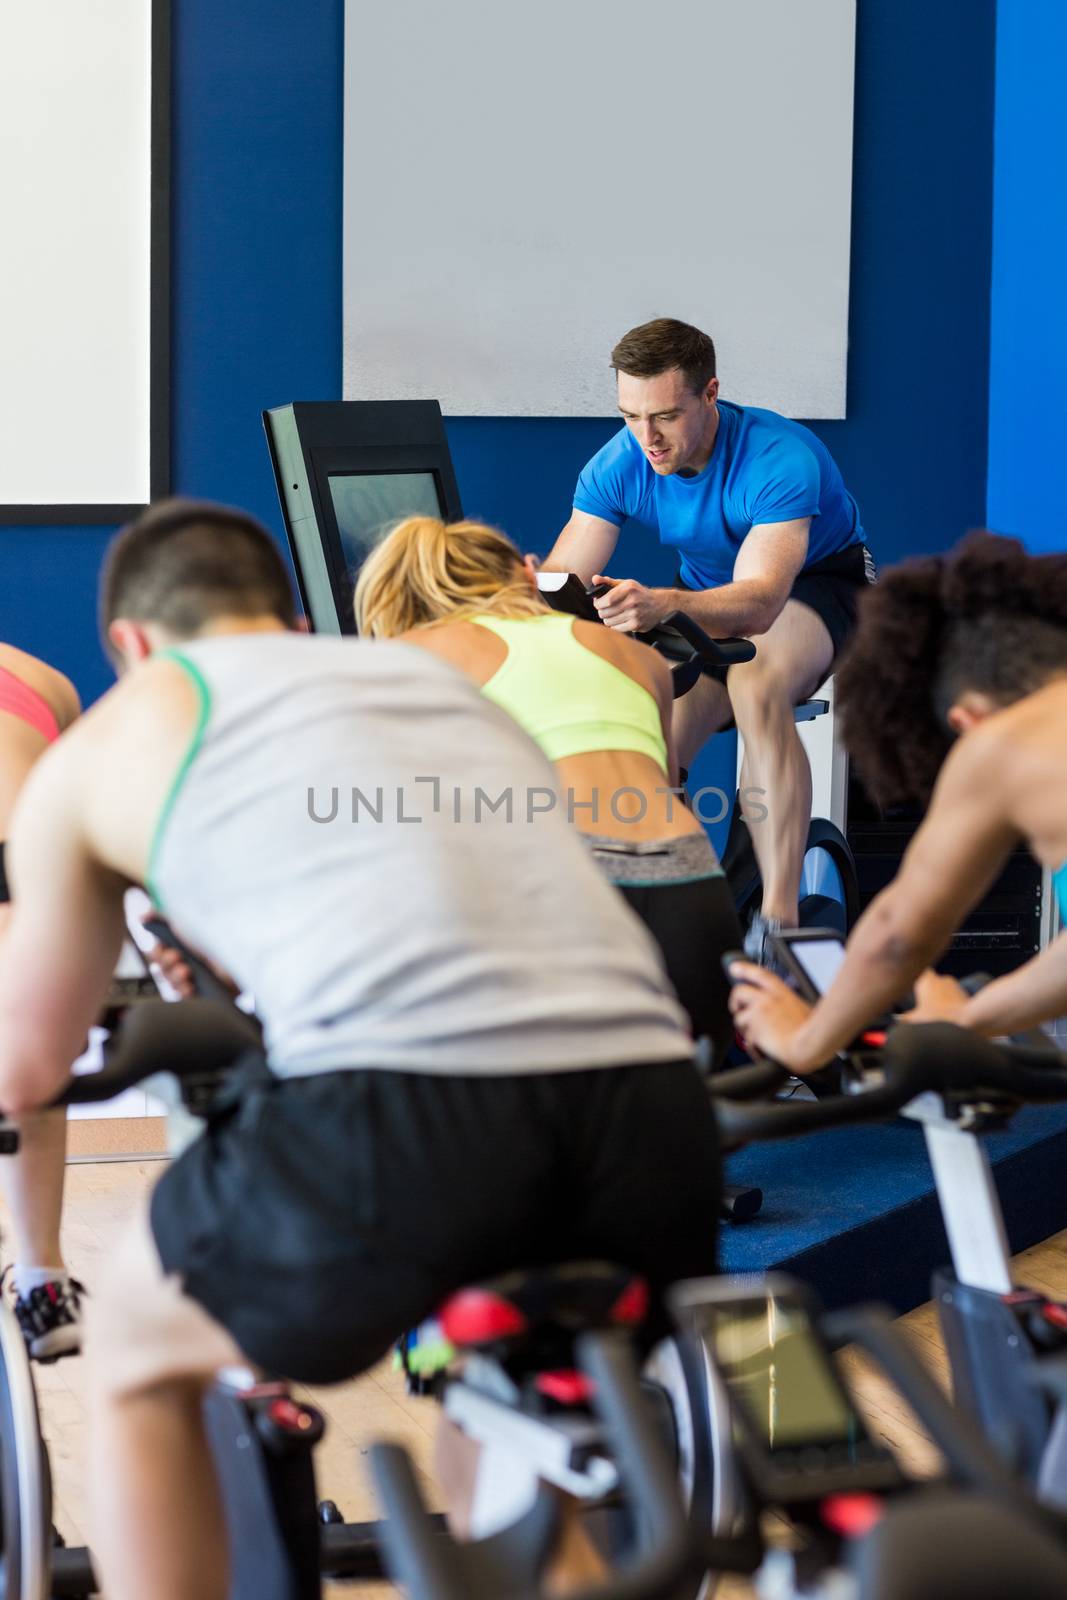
[(156, 1517), (696, 716), (792, 659)]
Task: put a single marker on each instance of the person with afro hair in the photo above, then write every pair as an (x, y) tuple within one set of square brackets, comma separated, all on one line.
[(952, 694)]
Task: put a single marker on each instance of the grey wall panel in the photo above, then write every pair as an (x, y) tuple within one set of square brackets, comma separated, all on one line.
[(524, 182)]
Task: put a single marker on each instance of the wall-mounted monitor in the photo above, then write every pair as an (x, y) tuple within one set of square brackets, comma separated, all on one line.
[(348, 472)]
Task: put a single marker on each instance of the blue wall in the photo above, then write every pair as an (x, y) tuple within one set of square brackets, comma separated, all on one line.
[(913, 449), (1028, 357), (257, 296)]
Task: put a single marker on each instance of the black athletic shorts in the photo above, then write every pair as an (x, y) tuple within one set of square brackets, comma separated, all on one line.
[(695, 925), (830, 588), (323, 1216)]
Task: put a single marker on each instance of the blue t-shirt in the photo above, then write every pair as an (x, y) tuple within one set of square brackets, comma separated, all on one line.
[(764, 468)]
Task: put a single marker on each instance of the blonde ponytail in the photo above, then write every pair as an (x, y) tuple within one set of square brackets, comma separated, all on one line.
[(425, 572)]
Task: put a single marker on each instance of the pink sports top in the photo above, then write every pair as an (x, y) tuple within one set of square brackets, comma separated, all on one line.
[(19, 700)]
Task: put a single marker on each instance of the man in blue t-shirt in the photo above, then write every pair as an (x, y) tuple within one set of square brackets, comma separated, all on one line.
[(769, 544)]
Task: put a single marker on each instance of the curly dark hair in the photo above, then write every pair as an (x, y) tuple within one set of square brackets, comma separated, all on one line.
[(986, 617)]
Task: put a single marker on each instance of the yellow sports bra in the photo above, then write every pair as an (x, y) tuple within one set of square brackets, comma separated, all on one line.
[(569, 699)]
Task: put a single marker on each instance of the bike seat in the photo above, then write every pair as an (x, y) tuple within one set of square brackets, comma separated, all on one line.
[(803, 711), (808, 710), (524, 1308)]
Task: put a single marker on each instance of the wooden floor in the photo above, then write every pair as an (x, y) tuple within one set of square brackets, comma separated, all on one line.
[(99, 1198)]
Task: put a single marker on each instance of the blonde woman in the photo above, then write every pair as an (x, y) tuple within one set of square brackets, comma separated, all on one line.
[(36, 705), (598, 704)]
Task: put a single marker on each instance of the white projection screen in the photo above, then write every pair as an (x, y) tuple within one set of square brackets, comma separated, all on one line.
[(524, 182), (84, 91)]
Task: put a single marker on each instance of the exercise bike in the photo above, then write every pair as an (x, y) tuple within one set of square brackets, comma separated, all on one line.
[(792, 1432), (34, 1565), (553, 1399), (830, 895), (284, 1541), (860, 1524), (1007, 1345), (262, 1437)]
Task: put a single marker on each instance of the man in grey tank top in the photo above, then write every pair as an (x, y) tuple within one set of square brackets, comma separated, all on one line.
[(475, 1061)]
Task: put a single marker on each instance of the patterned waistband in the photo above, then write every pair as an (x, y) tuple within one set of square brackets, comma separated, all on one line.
[(639, 862)]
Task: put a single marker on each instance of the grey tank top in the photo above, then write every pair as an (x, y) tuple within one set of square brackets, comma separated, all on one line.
[(339, 839)]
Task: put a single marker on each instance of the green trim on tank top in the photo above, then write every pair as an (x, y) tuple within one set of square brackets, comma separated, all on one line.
[(199, 683)]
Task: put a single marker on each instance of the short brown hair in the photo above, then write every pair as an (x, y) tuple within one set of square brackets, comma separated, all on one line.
[(183, 563), (658, 346)]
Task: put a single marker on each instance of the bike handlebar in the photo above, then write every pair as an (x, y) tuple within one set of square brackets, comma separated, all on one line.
[(678, 638), (748, 1082), (713, 654), (193, 1039), (917, 1058), (972, 1460)]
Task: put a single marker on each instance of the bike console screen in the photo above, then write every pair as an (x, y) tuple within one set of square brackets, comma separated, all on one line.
[(367, 504), (778, 1371), (812, 956)]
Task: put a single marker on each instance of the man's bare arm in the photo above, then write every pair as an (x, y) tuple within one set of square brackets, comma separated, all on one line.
[(585, 546), (64, 937), (948, 867), (768, 561)]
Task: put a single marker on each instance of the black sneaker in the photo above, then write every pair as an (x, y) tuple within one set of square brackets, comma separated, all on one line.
[(50, 1319)]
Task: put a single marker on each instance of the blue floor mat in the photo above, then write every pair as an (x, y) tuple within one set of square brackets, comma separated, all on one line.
[(853, 1210)]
